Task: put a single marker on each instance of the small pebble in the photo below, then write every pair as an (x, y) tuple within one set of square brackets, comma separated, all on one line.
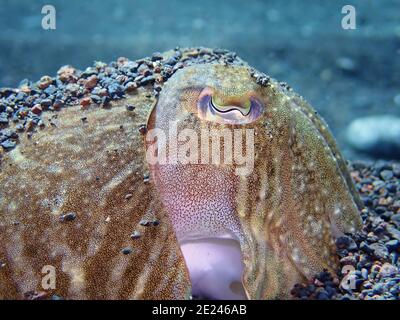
[(37, 109), (143, 129), (85, 102), (127, 250), (91, 82), (70, 216), (386, 174), (145, 222), (8, 144), (136, 235)]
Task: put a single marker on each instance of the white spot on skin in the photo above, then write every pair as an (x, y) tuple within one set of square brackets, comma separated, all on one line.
[(296, 255), (302, 186)]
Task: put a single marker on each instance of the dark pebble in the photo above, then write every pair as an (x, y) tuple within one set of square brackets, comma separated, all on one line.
[(58, 104), (3, 118), (387, 215), (147, 80), (46, 103), (379, 251), (391, 187), (116, 90), (145, 222), (8, 144), (136, 235), (323, 295), (365, 247), (367, 201), (396, 170), (394, 233), (143, 129), (130, 86), (105, 100), (96, 99), (346, 242), (171, 61), (386, 174), (380, 210), (378, 288), (156, 56), (127, 250), (396, 219), (68, 216)]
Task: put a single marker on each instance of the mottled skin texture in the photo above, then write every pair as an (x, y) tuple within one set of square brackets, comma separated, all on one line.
[(87, 168), (282, 214)]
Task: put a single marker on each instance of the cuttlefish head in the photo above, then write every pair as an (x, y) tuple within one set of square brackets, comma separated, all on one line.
[(251, 180)]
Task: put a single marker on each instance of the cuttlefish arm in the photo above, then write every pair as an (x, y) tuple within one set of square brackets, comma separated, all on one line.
[(71, 196)]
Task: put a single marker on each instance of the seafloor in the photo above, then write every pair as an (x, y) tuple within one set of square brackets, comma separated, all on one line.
[(372, 254)]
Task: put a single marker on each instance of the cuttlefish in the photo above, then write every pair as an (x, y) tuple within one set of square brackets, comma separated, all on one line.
[(218, 188)]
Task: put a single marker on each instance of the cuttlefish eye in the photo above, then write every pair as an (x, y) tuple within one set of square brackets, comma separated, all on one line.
[(224, 109)]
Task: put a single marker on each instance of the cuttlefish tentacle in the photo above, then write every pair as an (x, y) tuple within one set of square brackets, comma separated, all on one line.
[(286, 212)]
